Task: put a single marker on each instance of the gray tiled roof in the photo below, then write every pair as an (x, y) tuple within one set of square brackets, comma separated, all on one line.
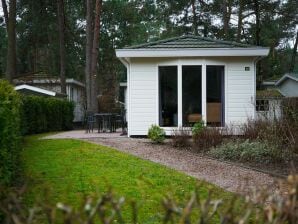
[(190, 41)]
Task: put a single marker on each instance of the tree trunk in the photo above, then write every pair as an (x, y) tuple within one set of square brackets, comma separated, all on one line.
[(11, 42), (96, 33), (88, 53), (4, 7), (195, 18), (226, 17), (292, 65), (239, 28), (61, 23), (257, 13)]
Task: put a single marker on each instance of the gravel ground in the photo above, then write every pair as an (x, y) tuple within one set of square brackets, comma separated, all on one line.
[(227, 176)]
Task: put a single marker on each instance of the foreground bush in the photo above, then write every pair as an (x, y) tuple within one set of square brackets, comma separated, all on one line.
[(9, 132), (207, 138), (261, 207), (248, 151), (181, 137), (156, 134), (41, 114)]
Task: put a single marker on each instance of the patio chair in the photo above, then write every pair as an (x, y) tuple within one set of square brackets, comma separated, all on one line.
[(90, 122)]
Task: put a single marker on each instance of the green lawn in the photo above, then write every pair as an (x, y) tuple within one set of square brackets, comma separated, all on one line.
[(70, 169)]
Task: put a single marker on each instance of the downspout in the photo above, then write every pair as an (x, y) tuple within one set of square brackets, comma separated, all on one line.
[(126, 63)]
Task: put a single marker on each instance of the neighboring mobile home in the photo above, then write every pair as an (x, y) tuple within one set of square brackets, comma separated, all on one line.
[(179, 81), (39, 84)]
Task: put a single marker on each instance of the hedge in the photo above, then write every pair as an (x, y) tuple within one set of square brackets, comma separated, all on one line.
[(23, 115), (41, 114), (10, 135)]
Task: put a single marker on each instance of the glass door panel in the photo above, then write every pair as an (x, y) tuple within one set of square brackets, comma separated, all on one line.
[(215, 95), (168, 96), (191, 94)]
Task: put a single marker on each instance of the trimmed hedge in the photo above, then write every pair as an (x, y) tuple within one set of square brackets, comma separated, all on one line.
[(41, 114), (10, 135)]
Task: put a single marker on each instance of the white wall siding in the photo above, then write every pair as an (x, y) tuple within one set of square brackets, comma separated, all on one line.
[(240, 91), (143, 92)]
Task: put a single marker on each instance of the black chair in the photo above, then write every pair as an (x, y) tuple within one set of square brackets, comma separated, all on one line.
[(90, 122)]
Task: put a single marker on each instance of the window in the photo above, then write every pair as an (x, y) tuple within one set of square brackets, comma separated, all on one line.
[(191, 94), (168, 96), (262, 105), (215, 95)]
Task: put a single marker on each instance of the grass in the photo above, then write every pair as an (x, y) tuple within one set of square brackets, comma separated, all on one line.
[(68, 170)]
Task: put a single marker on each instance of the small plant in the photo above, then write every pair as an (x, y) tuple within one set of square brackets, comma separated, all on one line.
[(156, 134), (198, 128), (180, 137), (248, 151)]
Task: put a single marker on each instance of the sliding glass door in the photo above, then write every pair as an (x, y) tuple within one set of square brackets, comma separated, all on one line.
[(191, 94), (215, 95), (168, 96)]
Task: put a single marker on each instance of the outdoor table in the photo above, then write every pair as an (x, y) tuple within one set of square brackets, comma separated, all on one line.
[(106, 121)]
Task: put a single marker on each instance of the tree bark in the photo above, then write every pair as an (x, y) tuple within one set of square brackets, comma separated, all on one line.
[(61, 23), (257, 13), (226, 17), (5, 11), (11, 42), (88, 53), (293, 60), (239, 27), (195, 18), (96, 33)]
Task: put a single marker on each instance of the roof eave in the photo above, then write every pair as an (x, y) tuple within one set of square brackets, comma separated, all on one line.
[(192, 52), (284, 78)]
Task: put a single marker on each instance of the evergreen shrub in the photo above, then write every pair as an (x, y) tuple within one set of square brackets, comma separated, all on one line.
[(10, 135)]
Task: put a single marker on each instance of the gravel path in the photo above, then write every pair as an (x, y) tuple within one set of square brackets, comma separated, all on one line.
[(227, 176)]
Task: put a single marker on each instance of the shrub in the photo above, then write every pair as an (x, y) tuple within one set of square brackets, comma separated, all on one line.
[(207, 138), (9, 132), (41, 114), (181, 137), (156, 134), (248, 151), (282, 133), (197, 128)]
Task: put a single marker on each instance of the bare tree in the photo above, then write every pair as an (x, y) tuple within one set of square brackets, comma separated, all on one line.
[(11, 40), (61, 23), (227, 11)]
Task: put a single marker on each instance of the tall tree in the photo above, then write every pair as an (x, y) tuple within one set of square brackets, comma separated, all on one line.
[(195, 18), (94, 60), (240, 17), (11, 42), (5, 11), (61, 25), (293, 59), (89, 42)]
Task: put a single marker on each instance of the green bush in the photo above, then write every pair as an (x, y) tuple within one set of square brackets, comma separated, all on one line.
[(41, 114), (248, 151), (156, 134), (198, 128), (9, 132)]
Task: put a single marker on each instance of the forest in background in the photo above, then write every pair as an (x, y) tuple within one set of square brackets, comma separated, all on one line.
[(77, 38)]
